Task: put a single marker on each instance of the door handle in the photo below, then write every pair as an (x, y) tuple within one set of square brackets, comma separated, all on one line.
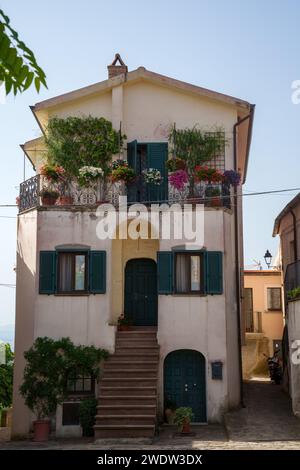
[(146, 296), (186, 387)]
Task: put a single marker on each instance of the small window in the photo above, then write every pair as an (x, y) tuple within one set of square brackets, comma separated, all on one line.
[(72, 272), (79, 384), (188, 273), (274, 298), (70, 414)]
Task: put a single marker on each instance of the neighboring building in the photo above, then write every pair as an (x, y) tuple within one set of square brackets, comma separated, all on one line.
[(263, 315), (184, 298), (287, 226)]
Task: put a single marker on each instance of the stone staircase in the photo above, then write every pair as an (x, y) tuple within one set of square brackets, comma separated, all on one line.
[(127, 398)]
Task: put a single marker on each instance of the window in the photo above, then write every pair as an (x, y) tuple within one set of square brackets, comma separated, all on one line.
[(274, 298), (248, 309), (79, 384), (70, 414), (188, 273), (72, 272)]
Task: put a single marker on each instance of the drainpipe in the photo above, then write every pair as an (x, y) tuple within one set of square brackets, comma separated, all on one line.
[(236, 232), (295, 235)]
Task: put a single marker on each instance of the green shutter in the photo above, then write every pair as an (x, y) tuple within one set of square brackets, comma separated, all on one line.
[(165, 267), (97, 272), (214, 272), (47, 281), (157, 154)]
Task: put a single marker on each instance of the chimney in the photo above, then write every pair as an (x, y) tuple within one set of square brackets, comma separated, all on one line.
[(117, 67)]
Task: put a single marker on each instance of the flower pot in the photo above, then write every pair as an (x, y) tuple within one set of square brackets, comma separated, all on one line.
[(65, 200), (49, 200), (123, 327), (216, 201), (186, 426), (169, 415), (41, 430)]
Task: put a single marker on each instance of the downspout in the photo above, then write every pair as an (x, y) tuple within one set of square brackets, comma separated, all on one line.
[(236, 232), (295, 234)]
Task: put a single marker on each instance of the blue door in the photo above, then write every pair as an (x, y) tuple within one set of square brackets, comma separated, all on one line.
[(184, 381), (141, 292)]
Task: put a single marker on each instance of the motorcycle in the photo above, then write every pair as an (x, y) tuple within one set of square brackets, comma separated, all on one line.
[(275, 369)]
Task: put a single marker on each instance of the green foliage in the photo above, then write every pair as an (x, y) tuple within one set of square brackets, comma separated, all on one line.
[(76, 142), (174, 164), (293, 293), (183, 414), (49, 364), (87, 413), (6, 378), (123, 173), (18, 66)]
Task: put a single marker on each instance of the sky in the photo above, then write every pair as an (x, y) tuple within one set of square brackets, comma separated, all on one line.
[(248, 49)]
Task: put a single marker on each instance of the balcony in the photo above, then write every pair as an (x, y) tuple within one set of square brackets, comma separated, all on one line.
[(292, 280), (73, 195)]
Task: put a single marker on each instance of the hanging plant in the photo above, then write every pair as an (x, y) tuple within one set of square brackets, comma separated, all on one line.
[(152, 176), (117, 163), (232, 178), (208, 174), (178, 179), (52, 172), (176, 163), (76, 142), (123, 173), (88, 174)]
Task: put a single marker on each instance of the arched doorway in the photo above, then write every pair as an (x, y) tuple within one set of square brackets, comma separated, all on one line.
[(141, 292), (185, 381)]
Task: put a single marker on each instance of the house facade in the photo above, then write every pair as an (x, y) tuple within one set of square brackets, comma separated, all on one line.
[(183, 297), (287, 226), (264, 319)]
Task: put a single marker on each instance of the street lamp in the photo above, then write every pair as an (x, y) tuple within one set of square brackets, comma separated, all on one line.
[(268, 258)]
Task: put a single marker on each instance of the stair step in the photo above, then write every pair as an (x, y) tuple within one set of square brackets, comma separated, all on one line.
[(127, 400), (125, 419), (136, 350), (129, 373), (132, 355), (116, 431), (137, 409), (127, 390), (135, 365), (136, 344), (129, 381)]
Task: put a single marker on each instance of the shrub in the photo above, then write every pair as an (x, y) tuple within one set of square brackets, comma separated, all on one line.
[(48, 364), (87, 413)]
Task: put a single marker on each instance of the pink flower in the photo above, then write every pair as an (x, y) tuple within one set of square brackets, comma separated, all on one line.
[(178, 179)]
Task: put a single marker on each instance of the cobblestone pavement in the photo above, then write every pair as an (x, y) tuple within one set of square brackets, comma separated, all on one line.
[(267, 423)]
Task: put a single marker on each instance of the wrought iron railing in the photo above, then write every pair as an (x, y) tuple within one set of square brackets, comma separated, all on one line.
[(72, 194), (292, 276)]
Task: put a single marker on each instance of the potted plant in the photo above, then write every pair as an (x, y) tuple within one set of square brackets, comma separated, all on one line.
[(52, 172), (182, 418), (213, 193), (87, 413), (123, 173), (169, 411), (231, 178), (89, 174), (49, 196), (174, 164), (124, 323), (49, 363)]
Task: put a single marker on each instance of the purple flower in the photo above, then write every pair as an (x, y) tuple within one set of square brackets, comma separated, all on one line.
[(178, 179), (232, 177)]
